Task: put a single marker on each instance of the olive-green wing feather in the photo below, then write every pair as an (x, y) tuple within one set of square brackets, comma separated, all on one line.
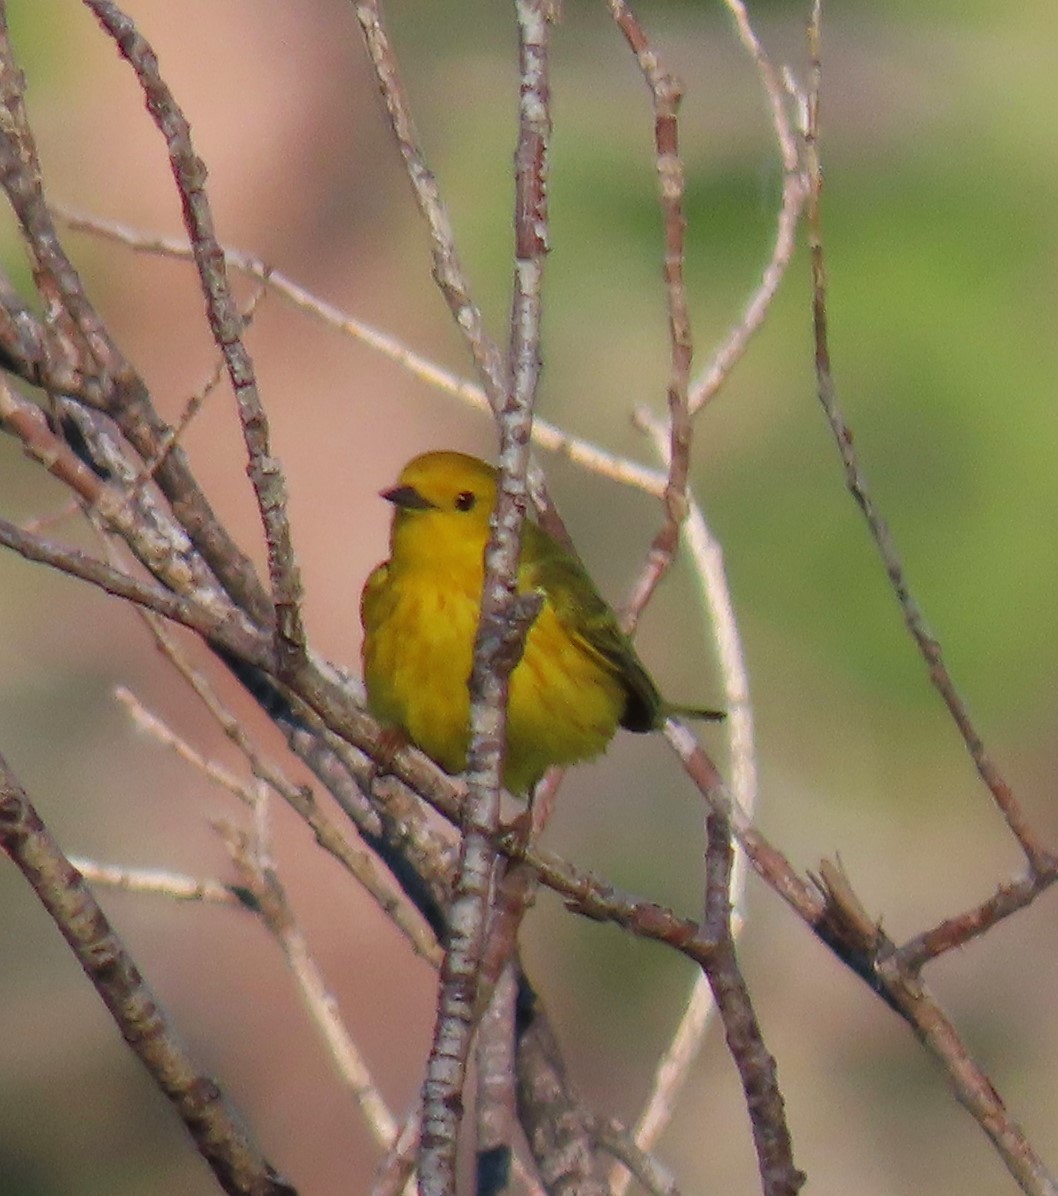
[(589, 620), (549, 567)]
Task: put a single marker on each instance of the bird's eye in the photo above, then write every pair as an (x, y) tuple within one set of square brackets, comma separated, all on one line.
[(465, 500)]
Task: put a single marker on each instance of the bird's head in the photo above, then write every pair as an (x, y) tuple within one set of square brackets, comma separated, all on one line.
[(442, 502)]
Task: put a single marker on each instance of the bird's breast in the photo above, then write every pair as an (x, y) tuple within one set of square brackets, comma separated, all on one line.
[(418, 649)]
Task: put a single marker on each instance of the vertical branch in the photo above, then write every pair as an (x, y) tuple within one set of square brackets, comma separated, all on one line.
[(253, 861), (226, 324), (500, 979), (756, 1067), (675, 1065), (505, 620), (666, 93), (1039, 859), (448, 270), (495, 1086)]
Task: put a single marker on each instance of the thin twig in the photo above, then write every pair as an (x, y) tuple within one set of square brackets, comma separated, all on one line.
[(755, 1065), (612, 1137), (447, 268), (577, 449), (1040, 859), (260, 877), (666, 92), (156, 540), (195, 403), (86, 350), (160, 882), (226, 325), (358, 863), (960, 929), (794, 195), (675, 1064), (970, 1083), (27, 421), (394, 1175), (73, 354), (768, 862), (151, 724), (972, 1086), (227, 630)]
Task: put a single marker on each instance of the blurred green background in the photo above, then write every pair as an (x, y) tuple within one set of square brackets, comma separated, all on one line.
[(940, 147)]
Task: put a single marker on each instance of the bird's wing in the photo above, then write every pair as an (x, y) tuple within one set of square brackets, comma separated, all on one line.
[(589, 621), (372, 591)]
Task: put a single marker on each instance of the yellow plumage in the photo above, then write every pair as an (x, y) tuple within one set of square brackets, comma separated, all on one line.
[(579, 676)]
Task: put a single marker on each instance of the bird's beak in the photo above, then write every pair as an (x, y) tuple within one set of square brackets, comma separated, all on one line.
[(407, 498)]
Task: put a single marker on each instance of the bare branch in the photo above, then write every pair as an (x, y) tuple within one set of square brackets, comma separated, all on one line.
[(612, 1137), (226, 324), (229, 631), (505, 620), (358, 863), (675, 1064), (971, 1085), (495, 1100), (159, 882), (1041, 860), (395, 1172), (74, 354), (756, 1067), (558, 1131), (261, 879), (666, 93), (960, 929), (768, 862), (447, 268), (794, 195), (213, 1124), (546, 435)]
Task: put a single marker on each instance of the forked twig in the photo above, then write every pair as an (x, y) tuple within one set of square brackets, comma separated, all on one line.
[(263, 892), (261, 879), (226, 630), (360, 864)]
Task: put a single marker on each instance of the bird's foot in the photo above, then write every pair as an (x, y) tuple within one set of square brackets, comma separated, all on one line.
[(388, 744)]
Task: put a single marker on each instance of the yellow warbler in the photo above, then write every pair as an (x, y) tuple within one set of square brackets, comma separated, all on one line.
[(579, 676)]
